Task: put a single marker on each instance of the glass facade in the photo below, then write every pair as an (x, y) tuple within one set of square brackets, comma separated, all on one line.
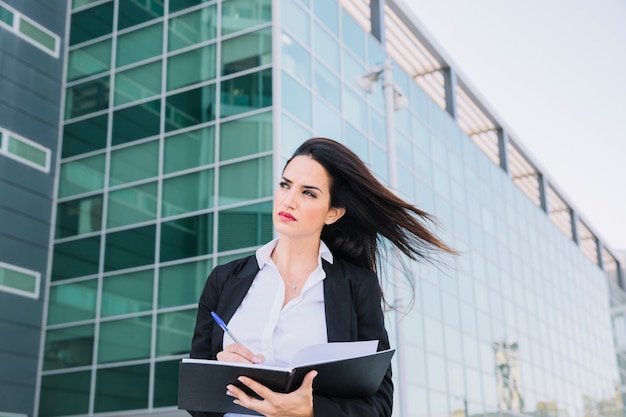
[(177, 116)]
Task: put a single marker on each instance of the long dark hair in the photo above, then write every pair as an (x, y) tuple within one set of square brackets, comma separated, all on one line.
[(373, 213)]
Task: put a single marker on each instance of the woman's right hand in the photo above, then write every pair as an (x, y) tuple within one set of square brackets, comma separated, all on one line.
[(239, 353)]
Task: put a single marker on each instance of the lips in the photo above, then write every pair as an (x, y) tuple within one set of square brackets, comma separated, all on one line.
[(286, 216)]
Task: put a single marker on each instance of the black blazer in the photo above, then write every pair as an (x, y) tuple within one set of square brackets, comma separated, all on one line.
[(352, 298)]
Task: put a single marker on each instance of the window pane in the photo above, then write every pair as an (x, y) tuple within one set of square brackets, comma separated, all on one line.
[(80, 216), (326, 11), (296, 60), (292, 134), (296, 20), (82, 176), (138, 83), (174, 331), (249, 92), (127, 293), (79, 3), (243, 227), (247, 51), (6, 16), (327, 121), (89, 97), (327, 85), (191, 28), (18, 280), (135, 12), (84, 136), (166, 383), (191, 67), (184, 238), (354, 109), (65, 394), (247, 180), (246, 136), (76, 258), (353, 35), (27, 151), (91, 23), (123, 340), (129, 248), (296, 99), (187, 193), (73, 302), (119, 389), (38, 35), (132, 205), (183, 4), (190, 108), (139, 45), (242, 14), (134, 163), (69, 347), (136, 122), (326, 47), (189, 149), (183, 283)]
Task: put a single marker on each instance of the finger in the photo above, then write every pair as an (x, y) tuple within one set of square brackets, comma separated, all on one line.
[(239, 353), (307, 382), (260, 389)]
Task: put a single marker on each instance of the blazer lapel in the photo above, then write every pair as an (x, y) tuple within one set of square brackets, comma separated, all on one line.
[(340, 320)]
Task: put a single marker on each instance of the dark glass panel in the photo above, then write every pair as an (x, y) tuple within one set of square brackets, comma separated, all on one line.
[(187, 237), (129, 248), (65, 394), (190, 108), (76, 258), (119, 389), (88, 97), (68, 347), (183, 4), (244, 227), (91, 23), (84, 136), (165, 384), (136, 122), (135, 12), (79, 216), (247, 51), (249, 92)]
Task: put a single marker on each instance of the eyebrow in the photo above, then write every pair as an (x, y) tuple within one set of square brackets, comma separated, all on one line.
[(308, 187)]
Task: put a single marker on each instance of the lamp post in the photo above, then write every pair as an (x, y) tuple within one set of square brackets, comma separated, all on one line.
[(394, 100)]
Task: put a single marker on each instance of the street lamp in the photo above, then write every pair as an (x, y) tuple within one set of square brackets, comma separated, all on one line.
[(394, 100)]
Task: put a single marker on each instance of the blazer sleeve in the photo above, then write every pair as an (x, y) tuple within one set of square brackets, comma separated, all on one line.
[(366, 300)]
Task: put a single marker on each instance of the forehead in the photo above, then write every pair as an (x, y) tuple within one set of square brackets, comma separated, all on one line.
[(306, 170)]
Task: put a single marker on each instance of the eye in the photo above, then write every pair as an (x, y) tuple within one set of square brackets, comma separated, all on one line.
[(283, 184), (309, 193)]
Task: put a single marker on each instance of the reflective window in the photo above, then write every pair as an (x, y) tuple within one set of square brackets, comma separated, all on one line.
[(80, 216), (68, 348), (91, 23), (41, 36), (127, 293), (295, 60), (242, 14), (293, 134), (357, 142), (24, 150), (76, 258), (124, 388), (190, 149), (191, 28), (132, 13), (296, 99), (89, 60), (327, 85), (129, 248), (187, 193), (326, 47), (73, 302), (247, 51), (65, 394), (245, 93), (166, 383), (190, 108), (354, 109), (247, 180), (174, 332), (88, 97), (183, 283), (191, 67), (138, 83), (139, 45), (132, 205), (243, 227), (246, 136), (296, 20), (187, 237), (183, 4), (326, 121), (19, 281), (134, 163), (84, 136), (353, 35), (136, 122), (122, 340), (327, 12), (6, 15), (81, 176)]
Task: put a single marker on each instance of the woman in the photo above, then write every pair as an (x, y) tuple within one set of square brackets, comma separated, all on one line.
[(316, 282)]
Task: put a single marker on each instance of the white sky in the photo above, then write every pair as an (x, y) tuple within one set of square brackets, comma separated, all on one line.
[(554, 72)]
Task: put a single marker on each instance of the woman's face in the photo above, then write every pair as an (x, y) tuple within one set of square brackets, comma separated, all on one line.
[(302, 200)]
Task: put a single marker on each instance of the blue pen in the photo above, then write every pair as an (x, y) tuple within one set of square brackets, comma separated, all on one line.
[(221, 323)]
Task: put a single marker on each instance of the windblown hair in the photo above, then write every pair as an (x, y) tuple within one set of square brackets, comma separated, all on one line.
[(373, 212)]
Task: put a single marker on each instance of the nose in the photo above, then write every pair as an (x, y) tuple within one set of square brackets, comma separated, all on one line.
[(289, 198)]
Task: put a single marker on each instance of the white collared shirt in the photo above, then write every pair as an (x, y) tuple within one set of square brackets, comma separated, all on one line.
[(264, 326)]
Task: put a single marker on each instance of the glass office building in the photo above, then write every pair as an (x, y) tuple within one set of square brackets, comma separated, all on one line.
[(175, 119)]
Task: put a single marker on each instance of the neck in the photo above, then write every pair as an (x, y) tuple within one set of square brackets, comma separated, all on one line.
[(293, 257)]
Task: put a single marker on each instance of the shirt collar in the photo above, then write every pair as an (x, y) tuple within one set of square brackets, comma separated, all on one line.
[(264, 252)]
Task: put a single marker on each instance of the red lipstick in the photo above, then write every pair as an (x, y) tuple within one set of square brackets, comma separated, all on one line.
[(286, 216)]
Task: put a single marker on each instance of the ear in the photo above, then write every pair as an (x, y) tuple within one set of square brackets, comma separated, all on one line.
[(334, 214)]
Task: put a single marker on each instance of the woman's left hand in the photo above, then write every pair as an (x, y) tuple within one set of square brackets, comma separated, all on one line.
[(298, 403)]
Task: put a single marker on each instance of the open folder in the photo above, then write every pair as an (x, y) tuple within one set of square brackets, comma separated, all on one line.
[(345, 369)]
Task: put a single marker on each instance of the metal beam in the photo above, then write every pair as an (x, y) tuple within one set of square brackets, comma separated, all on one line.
[(503, 150), (449, 77), (377, 19), (543, 190)]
